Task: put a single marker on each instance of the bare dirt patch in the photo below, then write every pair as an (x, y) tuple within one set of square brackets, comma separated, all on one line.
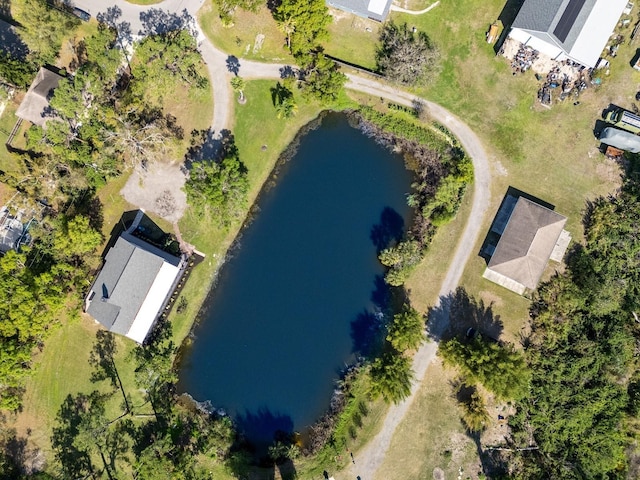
[(608, 170), (158, 190)]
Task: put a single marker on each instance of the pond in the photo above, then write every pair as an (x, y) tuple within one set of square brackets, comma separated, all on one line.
[(302, 294)]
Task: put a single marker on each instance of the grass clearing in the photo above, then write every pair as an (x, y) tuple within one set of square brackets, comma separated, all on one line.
[(353, 38), (431, 435), (241, 39), (8, 161)]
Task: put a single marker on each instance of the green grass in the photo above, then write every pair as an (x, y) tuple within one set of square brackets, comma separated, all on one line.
[(353, 39), (8, 162), (239, 39), (431, 428)]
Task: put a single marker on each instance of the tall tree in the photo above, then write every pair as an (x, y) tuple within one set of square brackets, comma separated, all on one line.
[(406, 56), (406, 331), (219, 189), (238, 84), (391, 377), (307, 21), (160, 60), (43, 26), (501, 369), (322, 78)]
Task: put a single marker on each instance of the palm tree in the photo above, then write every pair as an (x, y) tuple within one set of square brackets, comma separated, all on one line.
[(474, 413), (287, 107), (287, 26), (391, 377), (238, 84)]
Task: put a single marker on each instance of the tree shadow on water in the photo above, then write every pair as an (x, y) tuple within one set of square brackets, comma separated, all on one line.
[(389, 230), (367, 330), (260, 427), (457, 312)]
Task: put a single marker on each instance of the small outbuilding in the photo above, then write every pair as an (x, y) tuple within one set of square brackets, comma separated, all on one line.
[(35, 105), (134, 284), (529, 235), (575, 30), (374, 9)]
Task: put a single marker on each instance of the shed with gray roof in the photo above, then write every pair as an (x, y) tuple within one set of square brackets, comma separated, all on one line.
[(35, 105), (373, 9), (529, 238), (133, 286), (577, 30)]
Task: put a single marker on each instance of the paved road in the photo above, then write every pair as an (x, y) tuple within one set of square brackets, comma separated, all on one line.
[(367, 461)]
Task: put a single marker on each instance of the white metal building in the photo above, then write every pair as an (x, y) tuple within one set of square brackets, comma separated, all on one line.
[(577, 30)]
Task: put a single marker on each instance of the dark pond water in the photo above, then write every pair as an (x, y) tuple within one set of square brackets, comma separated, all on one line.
[(299, 298)]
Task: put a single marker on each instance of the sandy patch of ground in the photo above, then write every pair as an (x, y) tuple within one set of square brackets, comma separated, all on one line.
[(491, 299), (500, 169), (158, 190), (609, 170)]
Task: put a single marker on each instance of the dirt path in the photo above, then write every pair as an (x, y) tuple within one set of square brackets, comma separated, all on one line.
[(368, 460), (395, 8)]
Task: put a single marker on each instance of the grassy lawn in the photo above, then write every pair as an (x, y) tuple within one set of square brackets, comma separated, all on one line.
[(240, 39), (431, 435), (8, 162), (353, 38)]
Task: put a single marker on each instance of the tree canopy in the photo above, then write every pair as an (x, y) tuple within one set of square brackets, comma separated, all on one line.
[(405, 56), (391, 377), (218, 189), (500, 368), (305, 23), (43, 28), (406, 331)]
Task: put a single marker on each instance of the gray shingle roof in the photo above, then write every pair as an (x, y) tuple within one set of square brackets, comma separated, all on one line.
[(527, 243), (556, 21), (35, 103), (130, 268)]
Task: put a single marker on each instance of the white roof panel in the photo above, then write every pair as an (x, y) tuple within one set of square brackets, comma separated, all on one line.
[(596, 31), (153, 302), (377, 6)]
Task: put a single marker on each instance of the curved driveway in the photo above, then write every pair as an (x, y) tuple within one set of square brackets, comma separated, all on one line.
[(372, 455)]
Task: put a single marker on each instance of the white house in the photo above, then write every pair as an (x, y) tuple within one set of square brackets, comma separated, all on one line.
[(133, 286), (577, 30)]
